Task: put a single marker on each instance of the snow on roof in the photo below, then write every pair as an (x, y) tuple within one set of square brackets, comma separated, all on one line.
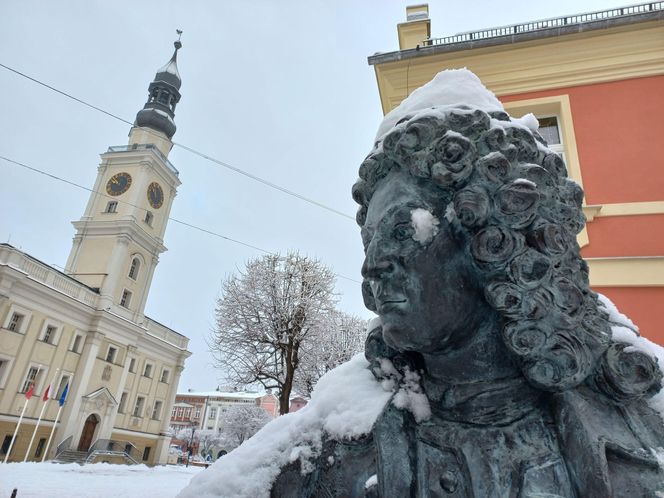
[(344, 405), (222, 394), (451, 87), (171, 67)]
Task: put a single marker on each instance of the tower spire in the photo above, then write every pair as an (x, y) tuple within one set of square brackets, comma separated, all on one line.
[(158, 112)]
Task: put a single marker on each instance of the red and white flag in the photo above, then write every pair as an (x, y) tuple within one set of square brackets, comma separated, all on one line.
[(31, 389), (46, 393)]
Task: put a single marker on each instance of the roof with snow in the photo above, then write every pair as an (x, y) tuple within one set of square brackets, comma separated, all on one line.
[(533, 30), (224, 394)]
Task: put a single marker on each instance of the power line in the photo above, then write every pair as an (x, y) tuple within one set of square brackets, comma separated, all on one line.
[(175, 220), (185, 147)]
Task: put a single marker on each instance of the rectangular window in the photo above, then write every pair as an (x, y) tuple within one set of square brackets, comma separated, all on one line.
[(5, 445), (112, 207), (146, 454), (4, 368), (15, 322), (132, 365), (110, 356), (156, 410), (31, 378), (123, 403), (40, 447), (64, 380), (548, 128), (148, 218), (138, 407), (125, 299), (180, 411), (147, 372), (197, 414), (213, 413), (76, 343), (164, 376), (49, 334)]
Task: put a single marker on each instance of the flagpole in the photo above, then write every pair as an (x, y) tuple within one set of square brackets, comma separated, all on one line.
[(61, 402), (20, 419), (48, 444), (41, 414)]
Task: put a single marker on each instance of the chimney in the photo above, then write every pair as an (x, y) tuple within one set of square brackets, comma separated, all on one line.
[(416, 31)]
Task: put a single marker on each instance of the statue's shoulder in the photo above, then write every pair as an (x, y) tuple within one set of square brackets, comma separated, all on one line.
[(611, 449), (342, 469)]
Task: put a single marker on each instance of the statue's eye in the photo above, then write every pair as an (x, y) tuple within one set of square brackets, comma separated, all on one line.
[(403, 231)]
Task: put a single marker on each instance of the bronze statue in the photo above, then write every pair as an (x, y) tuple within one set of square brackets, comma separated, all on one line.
[(506, 379), (469, 225)]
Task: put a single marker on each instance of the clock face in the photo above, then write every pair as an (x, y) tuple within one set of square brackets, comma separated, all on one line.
[(118, 184), (155, 195)]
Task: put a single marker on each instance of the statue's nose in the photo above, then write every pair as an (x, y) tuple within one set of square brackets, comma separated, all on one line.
[(377, 262)]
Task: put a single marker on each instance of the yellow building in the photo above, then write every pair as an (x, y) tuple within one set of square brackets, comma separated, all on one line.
[(594, 81), (85, 327)]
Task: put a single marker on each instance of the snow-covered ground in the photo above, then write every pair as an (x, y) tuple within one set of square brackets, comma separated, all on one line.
[(100, 480)]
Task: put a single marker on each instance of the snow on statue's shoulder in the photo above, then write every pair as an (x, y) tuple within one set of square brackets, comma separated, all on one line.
[(344, 405), (624, 331), (451, 87)]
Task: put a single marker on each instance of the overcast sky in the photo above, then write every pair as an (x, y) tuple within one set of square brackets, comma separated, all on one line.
[(280, 89)]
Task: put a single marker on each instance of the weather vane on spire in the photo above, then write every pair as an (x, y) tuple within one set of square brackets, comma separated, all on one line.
[(178, 43)]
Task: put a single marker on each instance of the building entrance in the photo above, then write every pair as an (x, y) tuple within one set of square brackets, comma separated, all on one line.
[(88, 432)]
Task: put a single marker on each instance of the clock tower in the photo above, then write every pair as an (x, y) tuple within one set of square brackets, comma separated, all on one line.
[(120, 236)]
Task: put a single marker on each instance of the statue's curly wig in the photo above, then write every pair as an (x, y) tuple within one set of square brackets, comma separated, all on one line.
[(516, 214)]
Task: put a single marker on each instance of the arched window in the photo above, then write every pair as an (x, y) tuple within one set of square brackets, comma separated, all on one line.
[(133, 270)]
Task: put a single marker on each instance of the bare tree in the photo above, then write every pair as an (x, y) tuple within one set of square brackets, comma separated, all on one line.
[(265, 315), (340, 338), (208, 440), (239, 423)]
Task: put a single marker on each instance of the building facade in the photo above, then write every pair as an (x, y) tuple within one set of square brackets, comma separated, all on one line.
[(205, 410), (595, 83), (85, 327)]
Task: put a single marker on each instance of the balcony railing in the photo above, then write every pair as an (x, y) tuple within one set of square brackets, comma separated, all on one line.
[(555, 22), (152, 147)]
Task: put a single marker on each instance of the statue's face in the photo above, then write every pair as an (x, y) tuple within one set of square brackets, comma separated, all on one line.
[(423, 284)]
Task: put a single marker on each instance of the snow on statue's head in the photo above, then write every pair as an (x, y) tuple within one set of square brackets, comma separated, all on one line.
[(467, 215)]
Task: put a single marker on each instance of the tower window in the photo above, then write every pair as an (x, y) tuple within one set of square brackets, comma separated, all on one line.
[(112, 207), (133, 270), (149, 217), (126, 298)]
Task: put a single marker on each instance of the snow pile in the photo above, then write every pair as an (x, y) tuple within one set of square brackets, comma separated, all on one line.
[(344, 405), (99, 480), (451, 87), (411, 397), (425, 225), (623, 330)]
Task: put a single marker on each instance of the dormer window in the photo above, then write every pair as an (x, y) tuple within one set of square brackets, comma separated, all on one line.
[(133, 270), (112, 207)]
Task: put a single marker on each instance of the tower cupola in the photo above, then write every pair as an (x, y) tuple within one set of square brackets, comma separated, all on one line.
[(158, 112)]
